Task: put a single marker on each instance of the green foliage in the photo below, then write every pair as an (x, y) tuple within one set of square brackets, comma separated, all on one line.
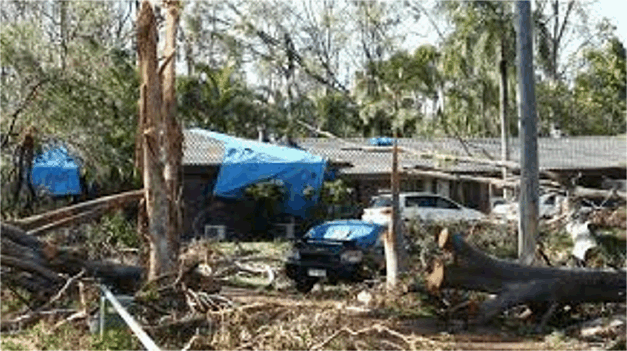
[(498, 239), (115, 339), (39, 337), (336, 113), (391, 92), (69, 69), (113, 231), (595, 105), (483, 36), (336, 192), (272, 190), (60, 339), (10, 302), (74, 81), (218, 99), (600, 92), (10, 345), (7, 174), (336, 201), (269, 197)]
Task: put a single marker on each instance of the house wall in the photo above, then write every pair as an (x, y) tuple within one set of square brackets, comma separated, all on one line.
[(200, 208), (198, 183)]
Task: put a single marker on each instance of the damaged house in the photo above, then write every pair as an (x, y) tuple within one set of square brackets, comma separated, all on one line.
[(466, 171)]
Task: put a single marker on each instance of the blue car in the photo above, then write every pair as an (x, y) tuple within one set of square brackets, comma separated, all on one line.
[(342, 250)]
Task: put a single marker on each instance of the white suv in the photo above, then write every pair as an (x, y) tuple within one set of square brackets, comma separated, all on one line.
[(422, 206)]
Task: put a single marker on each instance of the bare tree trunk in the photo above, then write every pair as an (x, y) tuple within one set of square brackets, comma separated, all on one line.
[(150, 115), (174, 136)]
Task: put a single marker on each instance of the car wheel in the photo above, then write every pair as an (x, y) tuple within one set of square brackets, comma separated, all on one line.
[(305, 284)]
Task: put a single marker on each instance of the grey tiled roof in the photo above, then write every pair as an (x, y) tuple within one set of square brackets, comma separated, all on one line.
[(569, 153), (554, 154), (198, 149)]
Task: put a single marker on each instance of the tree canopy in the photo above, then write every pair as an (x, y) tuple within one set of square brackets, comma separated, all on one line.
[(353, 68)]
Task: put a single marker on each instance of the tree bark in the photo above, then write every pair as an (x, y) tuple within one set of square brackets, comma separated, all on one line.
[(174, 135), (162, 257), (517, 284)]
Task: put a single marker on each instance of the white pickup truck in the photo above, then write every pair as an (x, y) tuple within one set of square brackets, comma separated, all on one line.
[(422, 206)]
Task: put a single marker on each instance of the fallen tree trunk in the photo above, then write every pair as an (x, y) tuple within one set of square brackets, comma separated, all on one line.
[(598, 193), (460, 177), (69, 214), (37, 266), (516, 284)]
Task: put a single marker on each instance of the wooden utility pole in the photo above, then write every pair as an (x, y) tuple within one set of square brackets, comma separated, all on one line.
[(529, 189), (503, 111), (390, 241), (162, 255)]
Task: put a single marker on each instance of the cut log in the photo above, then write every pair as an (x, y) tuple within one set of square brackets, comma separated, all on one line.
[(517, 284), (36, 265)]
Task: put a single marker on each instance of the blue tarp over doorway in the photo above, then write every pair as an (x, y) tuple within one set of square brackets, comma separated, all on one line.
[(247, 162), (57, 172)]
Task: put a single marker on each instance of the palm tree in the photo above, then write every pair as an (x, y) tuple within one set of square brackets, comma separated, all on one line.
[(482, 44)]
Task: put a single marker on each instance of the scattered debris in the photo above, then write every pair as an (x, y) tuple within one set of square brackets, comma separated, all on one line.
[(582, 238)]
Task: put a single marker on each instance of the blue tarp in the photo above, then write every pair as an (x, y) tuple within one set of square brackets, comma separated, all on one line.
[(365, 234), (247, 162), (56, 171), (381, 141)]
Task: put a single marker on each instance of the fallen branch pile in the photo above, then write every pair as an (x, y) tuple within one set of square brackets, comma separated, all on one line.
[(41, 268)]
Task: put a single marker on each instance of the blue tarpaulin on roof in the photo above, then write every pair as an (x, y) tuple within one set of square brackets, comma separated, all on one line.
[(381, 141), (247, 162), (56, 171)]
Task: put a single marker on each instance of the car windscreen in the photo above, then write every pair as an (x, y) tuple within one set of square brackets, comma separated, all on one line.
[(420, 201), (381, 202), (443, 203)]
